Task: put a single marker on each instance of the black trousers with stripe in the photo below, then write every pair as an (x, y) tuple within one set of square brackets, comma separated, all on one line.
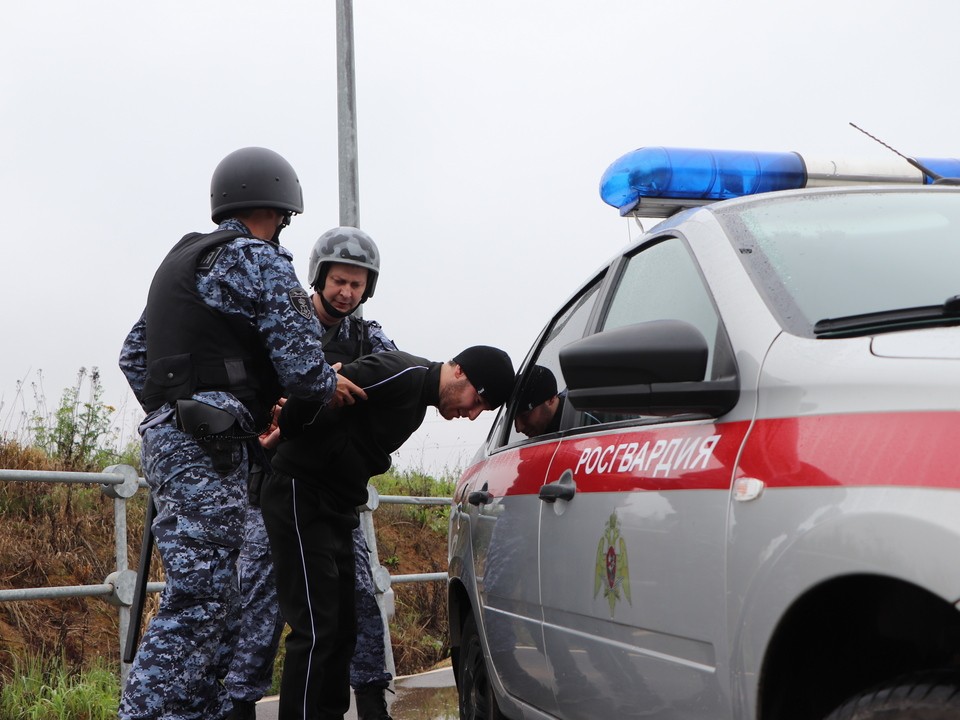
[(314, 564)]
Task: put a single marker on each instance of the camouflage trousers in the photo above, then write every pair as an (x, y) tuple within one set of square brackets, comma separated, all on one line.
[(251, 670), (178, 669)]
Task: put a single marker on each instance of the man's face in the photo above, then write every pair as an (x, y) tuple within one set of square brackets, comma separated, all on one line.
[(345, 286), (458, 398), (534, 421)]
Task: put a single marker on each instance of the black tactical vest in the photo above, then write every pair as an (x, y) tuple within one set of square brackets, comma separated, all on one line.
[(193, 347), (346, 351)]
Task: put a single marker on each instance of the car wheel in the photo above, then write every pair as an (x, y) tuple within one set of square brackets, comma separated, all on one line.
[(477, 701), (931, 696)]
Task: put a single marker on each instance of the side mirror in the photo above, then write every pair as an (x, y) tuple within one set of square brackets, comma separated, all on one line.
[(653, 367)]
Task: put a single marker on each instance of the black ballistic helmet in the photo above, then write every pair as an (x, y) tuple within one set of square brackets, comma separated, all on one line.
[(254, 177)]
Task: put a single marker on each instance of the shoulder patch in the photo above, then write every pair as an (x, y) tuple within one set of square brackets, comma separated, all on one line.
[(209, 258), (300, 301)]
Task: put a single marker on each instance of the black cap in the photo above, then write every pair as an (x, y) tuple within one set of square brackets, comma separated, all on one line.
[(489, 370), (540, 386)]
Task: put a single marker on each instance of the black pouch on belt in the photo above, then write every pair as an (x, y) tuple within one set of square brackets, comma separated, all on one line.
[(254, 483), (213, 428)]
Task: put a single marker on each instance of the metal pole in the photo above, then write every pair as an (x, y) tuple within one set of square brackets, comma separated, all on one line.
[(120, 548), (347, 118)]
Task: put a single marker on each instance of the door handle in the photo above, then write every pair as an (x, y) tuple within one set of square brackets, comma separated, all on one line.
[(563, 489), (480, 497)]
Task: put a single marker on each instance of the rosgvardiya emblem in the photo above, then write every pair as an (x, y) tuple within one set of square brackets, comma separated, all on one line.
[(612, 572)]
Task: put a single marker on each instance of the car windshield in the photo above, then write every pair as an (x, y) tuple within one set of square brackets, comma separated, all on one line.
[(838, 254)]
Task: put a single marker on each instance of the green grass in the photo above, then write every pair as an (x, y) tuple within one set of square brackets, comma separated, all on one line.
[(419, 484), (42, 689)]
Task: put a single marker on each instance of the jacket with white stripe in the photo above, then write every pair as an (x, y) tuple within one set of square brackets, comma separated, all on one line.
[(339, 450)]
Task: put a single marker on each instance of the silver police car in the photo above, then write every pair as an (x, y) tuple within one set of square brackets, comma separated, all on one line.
[(726, 484)]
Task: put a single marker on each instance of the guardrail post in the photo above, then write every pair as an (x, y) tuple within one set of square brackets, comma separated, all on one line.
[(380, 575), (123, 579)]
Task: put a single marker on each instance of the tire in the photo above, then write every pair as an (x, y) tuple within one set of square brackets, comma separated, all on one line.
[(477, 701), (930, 696)]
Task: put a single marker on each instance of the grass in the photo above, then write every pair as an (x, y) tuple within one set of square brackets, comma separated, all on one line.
[(42, 689)]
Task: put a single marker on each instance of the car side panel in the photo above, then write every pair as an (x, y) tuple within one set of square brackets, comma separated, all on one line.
[(632, 571)]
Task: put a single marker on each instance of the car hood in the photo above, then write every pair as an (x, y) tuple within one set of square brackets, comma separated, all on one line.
[(932, 343)]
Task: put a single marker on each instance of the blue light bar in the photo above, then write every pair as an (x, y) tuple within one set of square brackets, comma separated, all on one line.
[(658, 181), (661, 172), (944, 167)]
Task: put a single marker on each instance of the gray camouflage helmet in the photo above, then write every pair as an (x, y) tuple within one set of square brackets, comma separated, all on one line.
[(349, 246), (254, 177)]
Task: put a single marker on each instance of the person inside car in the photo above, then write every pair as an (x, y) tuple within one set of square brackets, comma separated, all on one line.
[(541, 406)]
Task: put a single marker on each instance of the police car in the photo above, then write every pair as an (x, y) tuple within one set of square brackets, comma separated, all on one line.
[(747, 501)]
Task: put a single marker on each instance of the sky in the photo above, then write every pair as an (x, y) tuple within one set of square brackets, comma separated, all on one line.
[(483, 130)]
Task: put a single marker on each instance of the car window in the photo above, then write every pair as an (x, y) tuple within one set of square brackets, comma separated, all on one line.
[(663, 282), (569, 325)]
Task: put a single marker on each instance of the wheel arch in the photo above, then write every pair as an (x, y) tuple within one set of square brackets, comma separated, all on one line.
[(863, 572), (848, 634)]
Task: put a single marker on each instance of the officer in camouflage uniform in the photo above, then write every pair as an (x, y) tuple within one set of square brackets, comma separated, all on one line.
[(227, 330), (343, 270)]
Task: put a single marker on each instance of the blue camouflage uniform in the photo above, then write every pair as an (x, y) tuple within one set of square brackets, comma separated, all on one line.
[(199, 522), (251, 670)]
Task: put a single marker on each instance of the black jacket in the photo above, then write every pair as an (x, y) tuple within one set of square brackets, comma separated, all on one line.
[(339, 450)]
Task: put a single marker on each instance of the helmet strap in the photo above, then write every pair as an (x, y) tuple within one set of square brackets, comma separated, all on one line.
[(283, 223)]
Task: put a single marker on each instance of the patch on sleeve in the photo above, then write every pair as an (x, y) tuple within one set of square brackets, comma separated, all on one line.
[(209, 258), (300, 302)]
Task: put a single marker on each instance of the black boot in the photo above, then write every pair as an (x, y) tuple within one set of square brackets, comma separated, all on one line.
[(243, 710), (371, 703)]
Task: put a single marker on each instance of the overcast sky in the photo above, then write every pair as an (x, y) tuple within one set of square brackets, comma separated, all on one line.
[(483, 130)]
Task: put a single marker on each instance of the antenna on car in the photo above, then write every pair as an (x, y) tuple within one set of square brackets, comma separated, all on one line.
[(937, 178)]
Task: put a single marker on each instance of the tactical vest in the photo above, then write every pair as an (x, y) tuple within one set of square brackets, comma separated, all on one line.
[(346, 351), (192, 346)]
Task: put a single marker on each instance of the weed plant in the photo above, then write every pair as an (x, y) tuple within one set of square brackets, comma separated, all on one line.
[(81, 433)]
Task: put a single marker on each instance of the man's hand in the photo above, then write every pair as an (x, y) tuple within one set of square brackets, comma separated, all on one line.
[(347, 391), (270, 437)]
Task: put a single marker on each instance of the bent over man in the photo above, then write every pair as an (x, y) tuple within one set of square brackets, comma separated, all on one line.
[(319, 477), (227, 329), (343, 270)]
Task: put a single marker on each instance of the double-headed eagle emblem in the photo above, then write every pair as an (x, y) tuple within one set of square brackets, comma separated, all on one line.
[(612, 572)]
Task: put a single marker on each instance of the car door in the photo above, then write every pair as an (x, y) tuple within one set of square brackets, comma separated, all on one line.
[(504, 534), (632, 539)]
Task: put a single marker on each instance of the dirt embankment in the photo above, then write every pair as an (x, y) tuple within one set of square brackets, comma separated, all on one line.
[(60, 535)]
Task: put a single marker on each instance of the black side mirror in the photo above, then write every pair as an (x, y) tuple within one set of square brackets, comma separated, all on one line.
[(652, 367)]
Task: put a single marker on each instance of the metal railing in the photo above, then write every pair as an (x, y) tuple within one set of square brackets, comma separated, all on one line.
[(121, 483)]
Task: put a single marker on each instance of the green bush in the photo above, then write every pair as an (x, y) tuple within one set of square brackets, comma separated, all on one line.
[(77, 431)]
